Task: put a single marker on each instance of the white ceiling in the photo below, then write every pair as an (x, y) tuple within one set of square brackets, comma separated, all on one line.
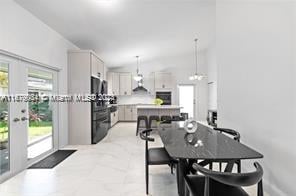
[(118, 30)]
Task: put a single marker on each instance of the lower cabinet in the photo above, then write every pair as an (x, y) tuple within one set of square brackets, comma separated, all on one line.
[(121, 112), (134, 113), (114, 118), (127, 113)]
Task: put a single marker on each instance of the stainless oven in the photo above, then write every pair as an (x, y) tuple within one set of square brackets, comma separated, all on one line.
[(165, 96)]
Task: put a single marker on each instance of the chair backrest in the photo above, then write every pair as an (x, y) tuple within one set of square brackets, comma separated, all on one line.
[(235, 134), (233, 179), (184, 115), (144, 136)]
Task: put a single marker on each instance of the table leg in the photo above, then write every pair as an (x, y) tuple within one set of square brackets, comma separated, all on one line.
[(182, 171)]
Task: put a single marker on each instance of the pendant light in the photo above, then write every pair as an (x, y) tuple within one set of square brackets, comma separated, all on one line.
[(139, 76), (196, 76)]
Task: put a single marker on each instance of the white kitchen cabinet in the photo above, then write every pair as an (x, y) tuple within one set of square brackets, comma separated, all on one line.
[(97, 67), (163, 80), (125, 84), (134, 113), (128, 113), (121, 110), (82, 64), (114, 118), (113, 83)]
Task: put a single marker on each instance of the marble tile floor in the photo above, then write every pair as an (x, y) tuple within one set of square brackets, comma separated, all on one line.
[(114, 167)]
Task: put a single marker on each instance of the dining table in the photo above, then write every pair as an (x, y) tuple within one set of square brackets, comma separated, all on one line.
[(204, 144)]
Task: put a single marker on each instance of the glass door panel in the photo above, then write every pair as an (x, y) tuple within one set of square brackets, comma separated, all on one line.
[(4, 127), (187, 100), (40, 132)]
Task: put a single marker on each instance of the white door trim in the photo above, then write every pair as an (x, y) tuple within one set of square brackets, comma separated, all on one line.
[(24, 59)]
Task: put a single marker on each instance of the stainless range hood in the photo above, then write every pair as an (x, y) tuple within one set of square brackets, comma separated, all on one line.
[(140, 88)]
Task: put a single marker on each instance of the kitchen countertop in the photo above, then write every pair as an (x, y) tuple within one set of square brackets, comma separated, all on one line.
[(158, 107), (140, 104)]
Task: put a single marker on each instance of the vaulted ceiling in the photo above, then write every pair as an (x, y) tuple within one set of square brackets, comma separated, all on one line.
[(118, 30)]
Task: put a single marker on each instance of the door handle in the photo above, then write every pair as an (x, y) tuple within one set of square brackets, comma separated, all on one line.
[(24, 118), (16, 119)]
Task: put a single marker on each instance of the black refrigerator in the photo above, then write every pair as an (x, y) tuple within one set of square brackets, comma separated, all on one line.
[(99, 112)]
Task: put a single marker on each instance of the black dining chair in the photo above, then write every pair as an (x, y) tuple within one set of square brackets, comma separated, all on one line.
[(215, 183), (236, 137), (143, 119), (154, 156)]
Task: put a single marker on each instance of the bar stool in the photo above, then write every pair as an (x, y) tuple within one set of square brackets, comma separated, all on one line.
[(177, 118), (153, 118), (166, 119), (184, 115), (142, 119)]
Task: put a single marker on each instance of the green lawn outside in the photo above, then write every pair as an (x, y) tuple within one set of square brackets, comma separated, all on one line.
[(3, 133), (35, 132), (36, 129)]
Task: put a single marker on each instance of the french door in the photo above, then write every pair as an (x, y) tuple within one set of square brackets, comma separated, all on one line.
[(187, 99), (28, 129)]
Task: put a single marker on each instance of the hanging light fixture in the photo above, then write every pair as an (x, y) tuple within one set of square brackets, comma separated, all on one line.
[(196, 76), (139, 76)]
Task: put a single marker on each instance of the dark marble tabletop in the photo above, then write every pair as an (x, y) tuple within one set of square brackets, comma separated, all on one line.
[(205, 143)]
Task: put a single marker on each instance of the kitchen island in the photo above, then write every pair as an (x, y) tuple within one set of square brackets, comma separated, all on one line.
[(158, 110)]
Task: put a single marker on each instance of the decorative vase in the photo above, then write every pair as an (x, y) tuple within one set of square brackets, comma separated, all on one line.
[(190, 125)]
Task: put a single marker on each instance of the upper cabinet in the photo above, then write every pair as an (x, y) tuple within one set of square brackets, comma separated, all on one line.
[(113, 83), (122, 83), (163, 80), (125, 84), (119, 83), (97, 67)]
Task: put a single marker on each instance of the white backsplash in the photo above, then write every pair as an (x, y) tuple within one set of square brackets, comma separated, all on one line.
[(136, 99)]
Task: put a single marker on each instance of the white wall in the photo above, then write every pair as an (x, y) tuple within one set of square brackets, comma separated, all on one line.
[(181, 68), (256, 83), (25, 35)]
